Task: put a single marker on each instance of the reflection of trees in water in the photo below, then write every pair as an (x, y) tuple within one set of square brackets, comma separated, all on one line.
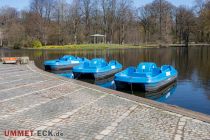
[(203, 62), (194, 64), (200, 59), (182, 64)]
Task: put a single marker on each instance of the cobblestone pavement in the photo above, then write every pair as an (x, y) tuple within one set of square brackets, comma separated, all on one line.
[(31, 99)]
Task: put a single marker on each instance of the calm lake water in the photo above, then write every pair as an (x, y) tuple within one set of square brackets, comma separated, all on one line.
[(192, 90)]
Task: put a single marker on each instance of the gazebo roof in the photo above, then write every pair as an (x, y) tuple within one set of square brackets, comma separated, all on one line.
[(98, 35)]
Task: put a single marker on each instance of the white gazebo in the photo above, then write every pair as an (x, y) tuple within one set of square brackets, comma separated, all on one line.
[(97, 36)]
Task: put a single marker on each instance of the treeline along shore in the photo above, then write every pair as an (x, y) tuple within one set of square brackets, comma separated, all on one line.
[(60, 23)]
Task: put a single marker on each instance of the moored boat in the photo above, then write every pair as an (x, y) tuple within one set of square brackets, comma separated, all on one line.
[(97, 68), (146, 77), (65, 62)]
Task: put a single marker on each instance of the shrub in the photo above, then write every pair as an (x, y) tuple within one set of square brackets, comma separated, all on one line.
[(26, 43), (17, 46), (36, 44)]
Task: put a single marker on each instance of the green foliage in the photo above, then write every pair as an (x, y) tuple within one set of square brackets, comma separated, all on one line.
[(90, 46), (17, 46), (27, 43), (36, 44)]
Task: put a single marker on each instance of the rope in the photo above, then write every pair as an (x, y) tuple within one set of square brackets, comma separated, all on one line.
[(78, 75), (131, 88)]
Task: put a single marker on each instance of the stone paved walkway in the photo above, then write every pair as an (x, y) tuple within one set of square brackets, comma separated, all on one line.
[(31, 99)]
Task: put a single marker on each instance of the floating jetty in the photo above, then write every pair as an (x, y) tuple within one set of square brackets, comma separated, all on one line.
[(32, 99)]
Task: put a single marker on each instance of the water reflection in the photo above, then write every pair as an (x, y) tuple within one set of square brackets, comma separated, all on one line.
[(165, 94), (106, 83), (193, 65), (160, 96)]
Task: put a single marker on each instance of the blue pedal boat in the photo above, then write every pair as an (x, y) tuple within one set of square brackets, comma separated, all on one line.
[(65, 62), (97, 68), (146, 77)]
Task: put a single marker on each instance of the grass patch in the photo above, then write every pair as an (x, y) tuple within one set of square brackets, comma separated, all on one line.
[(89, 46)]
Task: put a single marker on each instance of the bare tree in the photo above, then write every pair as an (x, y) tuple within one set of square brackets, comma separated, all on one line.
[(185, 24), (41, 11), (162, 18), (144, 18), (63, 22), (8, 15), (61, 14), (97, 18), (124, 15), (86, 11), (76, 18), (12, 31)]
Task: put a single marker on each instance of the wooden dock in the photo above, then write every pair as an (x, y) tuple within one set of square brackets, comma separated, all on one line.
[(32, 99)]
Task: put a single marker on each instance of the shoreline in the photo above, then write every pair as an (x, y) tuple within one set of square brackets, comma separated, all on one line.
[(108, 46)]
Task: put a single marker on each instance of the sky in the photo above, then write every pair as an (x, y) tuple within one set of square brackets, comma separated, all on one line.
[(23, 4)]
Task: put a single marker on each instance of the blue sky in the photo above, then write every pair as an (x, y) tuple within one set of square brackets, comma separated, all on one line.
[(19, 4), (22, 4)]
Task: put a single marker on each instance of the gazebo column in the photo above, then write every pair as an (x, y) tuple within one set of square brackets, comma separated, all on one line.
[(96, 38)]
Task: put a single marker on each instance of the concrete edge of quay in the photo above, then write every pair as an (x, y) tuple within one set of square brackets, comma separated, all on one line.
[(144, 101)]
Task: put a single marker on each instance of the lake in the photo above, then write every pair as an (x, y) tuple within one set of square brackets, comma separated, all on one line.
[(192, 90)]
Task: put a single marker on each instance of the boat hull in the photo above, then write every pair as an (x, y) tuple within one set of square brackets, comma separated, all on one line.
[(96, 76), (66, 62), (59, 67), (147, 87)]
